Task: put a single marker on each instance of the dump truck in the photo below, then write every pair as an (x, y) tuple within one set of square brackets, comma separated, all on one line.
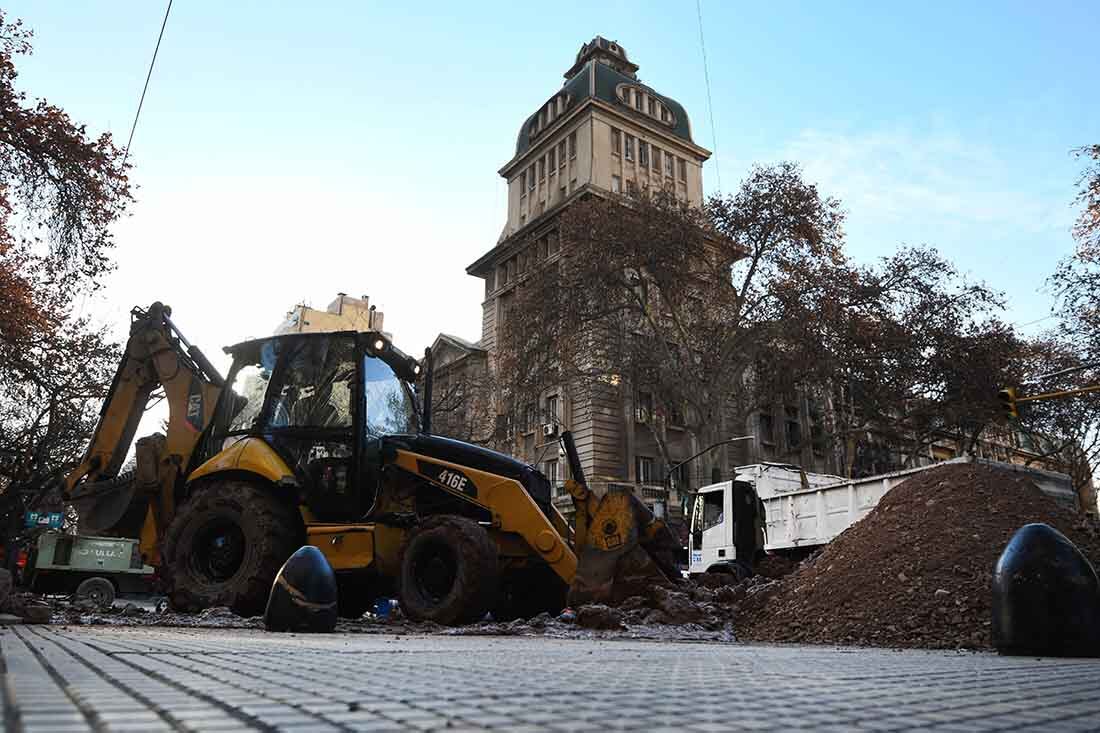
[(779, 508), (325, 439)]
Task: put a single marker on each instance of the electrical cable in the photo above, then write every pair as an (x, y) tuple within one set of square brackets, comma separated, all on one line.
[(710, 103), (145, 88)]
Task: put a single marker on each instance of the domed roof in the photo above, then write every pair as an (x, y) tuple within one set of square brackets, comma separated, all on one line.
[(599, 42), (602, 68)]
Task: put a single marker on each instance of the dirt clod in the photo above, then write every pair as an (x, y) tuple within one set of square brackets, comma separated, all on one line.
[(599, 616)]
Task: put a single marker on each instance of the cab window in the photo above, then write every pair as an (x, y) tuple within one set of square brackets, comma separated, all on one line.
[(712, 509)]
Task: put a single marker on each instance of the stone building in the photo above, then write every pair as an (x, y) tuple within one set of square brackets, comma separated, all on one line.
[(345, 313), (603, 132)]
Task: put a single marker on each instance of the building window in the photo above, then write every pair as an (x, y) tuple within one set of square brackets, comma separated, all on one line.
[(573, 144), (683, 169), (643, 469), (531, 178), (552, 416), (616, 142), (530, 415), (632, 188), (542, 249), (767, 428), (638, 100), (503, 275), (643, 154), (511, 269), (552, 243), (656, 159), (553, 160), (652, 107), (643, 407), (616, 184), (523, 183), (628, 147), (550, 470), (542, 167), (793, 428), (561, 154), (561, 193)]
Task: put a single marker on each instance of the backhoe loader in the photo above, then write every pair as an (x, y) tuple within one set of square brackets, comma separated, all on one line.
[(324, 439)]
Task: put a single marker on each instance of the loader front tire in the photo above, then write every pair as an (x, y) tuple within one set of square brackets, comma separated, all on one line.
[(449, 572), (225, 546)]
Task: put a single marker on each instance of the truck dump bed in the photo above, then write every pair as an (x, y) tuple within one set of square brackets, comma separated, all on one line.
[(799, 515)]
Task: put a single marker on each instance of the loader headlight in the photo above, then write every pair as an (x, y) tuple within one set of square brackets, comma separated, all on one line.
[(416, 369), (379, 345)]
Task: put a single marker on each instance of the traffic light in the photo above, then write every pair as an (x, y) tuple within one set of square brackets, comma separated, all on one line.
[(1007, 398)]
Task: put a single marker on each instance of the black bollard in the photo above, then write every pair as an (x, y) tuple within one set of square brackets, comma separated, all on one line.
[(1046, 597), (303, 596)]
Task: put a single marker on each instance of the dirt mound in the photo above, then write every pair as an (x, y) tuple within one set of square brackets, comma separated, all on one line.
[(916, 571)]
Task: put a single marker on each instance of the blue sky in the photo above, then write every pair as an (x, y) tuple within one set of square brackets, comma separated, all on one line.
[(287, 151)]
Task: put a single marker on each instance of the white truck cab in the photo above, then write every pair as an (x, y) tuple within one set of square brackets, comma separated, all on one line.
[(724, 529)]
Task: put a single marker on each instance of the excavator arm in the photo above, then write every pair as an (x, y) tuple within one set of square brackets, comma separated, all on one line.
[(142, 502)]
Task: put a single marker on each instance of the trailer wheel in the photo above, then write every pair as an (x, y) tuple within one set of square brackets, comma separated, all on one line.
[(225, 546), (449, 571), (99, 591)]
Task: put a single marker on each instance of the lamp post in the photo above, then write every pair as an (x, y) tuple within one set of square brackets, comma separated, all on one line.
[(668, 476)]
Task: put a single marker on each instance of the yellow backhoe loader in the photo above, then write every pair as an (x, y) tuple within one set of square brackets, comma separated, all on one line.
[(322, 439)]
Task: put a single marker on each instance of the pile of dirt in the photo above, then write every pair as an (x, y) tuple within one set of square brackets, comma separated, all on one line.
[(916, 571)]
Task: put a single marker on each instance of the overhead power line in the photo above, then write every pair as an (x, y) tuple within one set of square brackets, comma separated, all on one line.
[(710, 103), (145, 88)]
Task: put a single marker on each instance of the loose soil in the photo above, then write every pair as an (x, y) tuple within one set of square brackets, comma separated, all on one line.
[(917, 570)]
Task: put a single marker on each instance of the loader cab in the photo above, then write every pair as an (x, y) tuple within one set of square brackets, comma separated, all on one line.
[(321, 401), (723, 537)]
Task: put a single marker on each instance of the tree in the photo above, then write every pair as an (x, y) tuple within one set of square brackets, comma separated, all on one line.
[(65, 190), (1073, 425), (653, 294), (748, 303)]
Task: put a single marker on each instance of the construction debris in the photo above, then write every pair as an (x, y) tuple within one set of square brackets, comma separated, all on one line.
[(916, 571)]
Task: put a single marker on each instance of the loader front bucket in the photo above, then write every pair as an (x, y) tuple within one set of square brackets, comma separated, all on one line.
[(622, 549)]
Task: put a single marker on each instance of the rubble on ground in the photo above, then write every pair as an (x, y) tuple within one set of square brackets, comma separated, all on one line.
[(916, 571)]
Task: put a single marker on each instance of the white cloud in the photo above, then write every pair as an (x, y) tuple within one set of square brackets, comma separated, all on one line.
[(906, 183)]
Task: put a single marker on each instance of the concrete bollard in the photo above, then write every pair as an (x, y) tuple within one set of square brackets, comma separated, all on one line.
[(1046, 596), (303, 596)]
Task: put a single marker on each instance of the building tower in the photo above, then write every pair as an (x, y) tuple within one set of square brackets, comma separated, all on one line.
[(603, 132)]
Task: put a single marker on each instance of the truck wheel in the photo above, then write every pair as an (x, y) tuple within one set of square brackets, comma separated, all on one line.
[(225, 546), (99, 591), (449, 572)]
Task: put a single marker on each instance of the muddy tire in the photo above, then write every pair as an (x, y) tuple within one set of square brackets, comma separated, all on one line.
[(99, 591), (225, 546), (449, 572)]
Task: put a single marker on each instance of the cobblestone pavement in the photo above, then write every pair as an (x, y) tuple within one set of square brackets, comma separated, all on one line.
[(128, 679)]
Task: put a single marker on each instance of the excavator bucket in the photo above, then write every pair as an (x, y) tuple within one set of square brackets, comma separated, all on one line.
[(622, 549)]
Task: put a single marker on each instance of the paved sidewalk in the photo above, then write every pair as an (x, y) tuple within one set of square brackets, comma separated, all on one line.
[(140, 679)]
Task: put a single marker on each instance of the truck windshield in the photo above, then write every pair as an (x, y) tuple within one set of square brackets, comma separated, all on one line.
[(708, 510)]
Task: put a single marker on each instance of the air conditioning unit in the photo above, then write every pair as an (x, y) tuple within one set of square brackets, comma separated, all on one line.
[(549, 430)]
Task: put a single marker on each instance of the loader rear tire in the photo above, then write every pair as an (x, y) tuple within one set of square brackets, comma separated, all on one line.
[(449, 572), (225, 546)]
